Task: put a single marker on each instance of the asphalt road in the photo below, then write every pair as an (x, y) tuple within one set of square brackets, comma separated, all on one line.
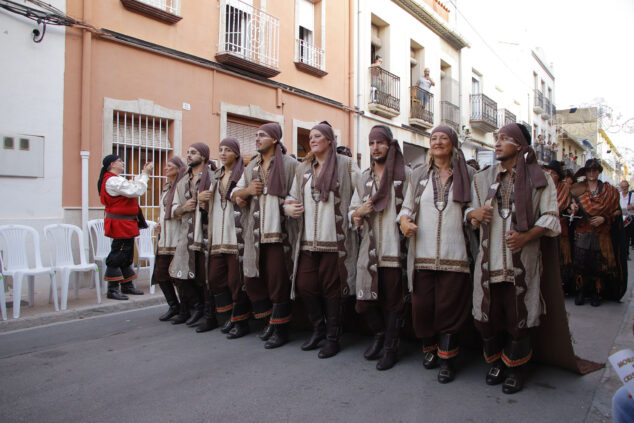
[(129, 367)]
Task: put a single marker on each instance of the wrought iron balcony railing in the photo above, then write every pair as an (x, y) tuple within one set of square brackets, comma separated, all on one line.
[(450, 115), (385, 88), (421, 105), (483, 112)]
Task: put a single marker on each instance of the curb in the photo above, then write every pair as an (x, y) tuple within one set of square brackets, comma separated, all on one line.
[(78, 313)]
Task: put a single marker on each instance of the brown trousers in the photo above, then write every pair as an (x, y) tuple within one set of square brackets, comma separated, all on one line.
[(441, 302), (225, 281), (392, 291), (318, 275), (503, 315), (161, 269), (273, 284)]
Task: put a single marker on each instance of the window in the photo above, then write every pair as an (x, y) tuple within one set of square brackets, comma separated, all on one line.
[(167, 11), (25, 144), (243, 129), (139, 139), (310, 36), (8, 143)]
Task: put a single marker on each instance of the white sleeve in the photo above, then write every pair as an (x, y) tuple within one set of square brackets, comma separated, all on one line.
[(549, 210), (118, 185), (242, 184)]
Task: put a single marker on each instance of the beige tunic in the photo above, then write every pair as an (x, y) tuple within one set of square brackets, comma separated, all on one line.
[(222, 227), (546, 211), (319, 232), (168, 236)]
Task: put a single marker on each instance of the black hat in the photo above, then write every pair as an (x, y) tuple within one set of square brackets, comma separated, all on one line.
[(557, 167), (590, 164), (107, 161)]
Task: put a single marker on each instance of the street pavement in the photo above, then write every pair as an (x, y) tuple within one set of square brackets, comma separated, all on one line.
[(129, 367)]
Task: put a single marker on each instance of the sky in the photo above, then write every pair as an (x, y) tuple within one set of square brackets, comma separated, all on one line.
[(588, 42)]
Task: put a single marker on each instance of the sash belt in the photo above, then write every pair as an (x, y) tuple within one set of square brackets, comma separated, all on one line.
[(121, 216)]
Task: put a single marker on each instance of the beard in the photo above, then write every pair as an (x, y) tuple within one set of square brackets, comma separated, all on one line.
[(195, 162), (380, 160)]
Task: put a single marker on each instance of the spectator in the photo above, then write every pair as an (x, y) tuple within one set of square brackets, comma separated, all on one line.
[(424, 83)]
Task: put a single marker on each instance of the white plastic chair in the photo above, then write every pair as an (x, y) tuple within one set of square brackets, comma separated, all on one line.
[(61, 236), (100, 245), (145, 250), (16, 263), (3, 299)]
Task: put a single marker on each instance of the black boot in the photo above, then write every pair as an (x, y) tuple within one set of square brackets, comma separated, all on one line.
[(226, 328), (333, 328), (197, 302), (447, 351), (513, 382), (516, 354), (390, 348), (374, 320), (279, 337), (128, 288), (596, 299), (113, 291), (183, 312), (172, 301), (495, 376), (316, 317), (267, 331), (210, 321), (492, 349), (239, 329), (579, 299), (430, 357)]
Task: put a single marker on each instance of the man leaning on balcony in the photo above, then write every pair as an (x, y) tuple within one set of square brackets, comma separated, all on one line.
[(425, 83)]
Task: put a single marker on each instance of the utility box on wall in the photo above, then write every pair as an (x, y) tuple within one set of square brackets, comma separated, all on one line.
[(22, 155)]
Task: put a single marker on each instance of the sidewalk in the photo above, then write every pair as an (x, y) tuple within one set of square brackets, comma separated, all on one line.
[(42, 313)]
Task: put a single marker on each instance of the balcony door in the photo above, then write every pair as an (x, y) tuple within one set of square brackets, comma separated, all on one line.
[(238, 27)]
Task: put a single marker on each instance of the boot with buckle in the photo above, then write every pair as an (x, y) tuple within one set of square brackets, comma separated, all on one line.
[(495, 375), (447, 351), (447, 372), (513, 381)]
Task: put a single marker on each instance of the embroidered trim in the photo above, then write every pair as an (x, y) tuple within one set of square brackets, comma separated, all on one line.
[(491, 359), (515, 363), (263, 314), (447, 354), (133, 277), (241, 317)]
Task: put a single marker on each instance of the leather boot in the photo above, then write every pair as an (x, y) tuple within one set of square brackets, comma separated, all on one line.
[(172, 301), (495, 376), (513, 382), (113, 291), (239, 329), (197, 303), (447, 351), (516, 354), (183, 312), (279, 337), (430, 357), (128, 288), (267, 331), (210, 321), (316, 317), (390, 347), (579, 298), (333, 328), (492, 349), (226, 328), (374, 320)]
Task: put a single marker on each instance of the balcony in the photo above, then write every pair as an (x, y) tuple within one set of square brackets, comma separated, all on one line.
[(547, 109), (421, 109), (538, 101), (450, 115), (309, 58), (483, 113), (505, 117), (249, 38), (164, 10), (384, 93)]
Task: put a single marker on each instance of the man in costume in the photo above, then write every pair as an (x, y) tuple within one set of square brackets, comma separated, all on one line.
[(167, 229), (325, 252), (123, 219), (225, 244), (595, 261), (376, 202), (189, 264), (514, 203), (267, 235)]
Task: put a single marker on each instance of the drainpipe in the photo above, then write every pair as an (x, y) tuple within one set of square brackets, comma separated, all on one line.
[(351, 77), (86, 70), (358, 102)]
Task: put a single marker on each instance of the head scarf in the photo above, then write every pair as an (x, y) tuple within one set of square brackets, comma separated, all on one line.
[(394, 166), (169, 197), (527, 171), (107, 161), (205, 178), (327, 179), (461, 185), (557, 167), (238, 167), (277, 176)]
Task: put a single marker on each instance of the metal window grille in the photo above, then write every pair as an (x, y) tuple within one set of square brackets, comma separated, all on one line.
[(139, 139), (309, 54)]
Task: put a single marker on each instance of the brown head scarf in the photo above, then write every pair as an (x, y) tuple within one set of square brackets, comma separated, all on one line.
[(461, 185), (205, 179), (328, 178), (277, 176), (527, 171), (169, 197), (394, 166), (238, 167)]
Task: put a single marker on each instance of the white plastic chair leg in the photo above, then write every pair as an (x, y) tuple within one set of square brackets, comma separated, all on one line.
[(65, 281), (79, 277), (97, 285), (54, 289), (3, 299), (152, 287), (31, 290), (17, 294)]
